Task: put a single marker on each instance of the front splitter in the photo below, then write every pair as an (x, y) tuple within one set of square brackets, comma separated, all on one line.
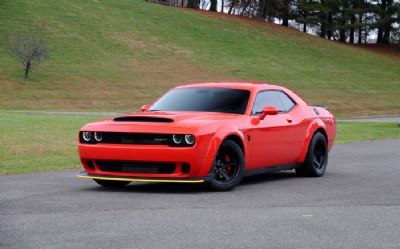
[(84, 174)]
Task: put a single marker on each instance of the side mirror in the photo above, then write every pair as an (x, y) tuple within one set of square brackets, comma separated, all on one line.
[(144, 107), (268, 110)]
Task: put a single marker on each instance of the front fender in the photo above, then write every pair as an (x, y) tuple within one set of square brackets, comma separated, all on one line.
[(219, 136), (314, 125)]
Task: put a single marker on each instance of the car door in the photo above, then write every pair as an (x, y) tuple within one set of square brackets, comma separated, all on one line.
[(273, 140)]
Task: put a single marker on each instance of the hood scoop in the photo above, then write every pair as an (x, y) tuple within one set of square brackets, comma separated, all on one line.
[(142, 119)]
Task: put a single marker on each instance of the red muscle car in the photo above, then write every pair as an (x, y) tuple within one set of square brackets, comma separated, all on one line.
[(209, 132)]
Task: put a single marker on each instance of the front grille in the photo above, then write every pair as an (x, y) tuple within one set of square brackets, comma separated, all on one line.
[(135, 138), (135, 167)]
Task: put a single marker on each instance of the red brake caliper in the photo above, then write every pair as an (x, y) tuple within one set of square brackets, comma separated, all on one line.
[(228, 166)]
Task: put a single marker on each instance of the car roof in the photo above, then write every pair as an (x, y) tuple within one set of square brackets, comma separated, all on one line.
[(252, 86)]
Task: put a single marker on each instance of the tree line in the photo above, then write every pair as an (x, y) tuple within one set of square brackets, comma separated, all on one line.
[(351, 21)]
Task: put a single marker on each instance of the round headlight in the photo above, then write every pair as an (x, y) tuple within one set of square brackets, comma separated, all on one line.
[(98, 136), (189, 139), (177, 138), (87, 136)]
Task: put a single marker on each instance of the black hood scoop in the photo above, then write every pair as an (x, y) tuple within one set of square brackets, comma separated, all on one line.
[(142, 119)]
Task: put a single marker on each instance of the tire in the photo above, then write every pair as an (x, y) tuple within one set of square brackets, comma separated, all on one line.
[(316, 159), (111, 184), (228, 167)]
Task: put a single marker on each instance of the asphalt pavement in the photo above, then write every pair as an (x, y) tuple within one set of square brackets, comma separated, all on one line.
[(355, 205)]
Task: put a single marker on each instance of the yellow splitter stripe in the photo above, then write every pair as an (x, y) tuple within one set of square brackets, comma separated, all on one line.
[(139, 180)]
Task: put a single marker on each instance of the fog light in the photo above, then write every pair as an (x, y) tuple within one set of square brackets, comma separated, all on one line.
[(98, 136), (189, 139), (177, 138), (87, 136)]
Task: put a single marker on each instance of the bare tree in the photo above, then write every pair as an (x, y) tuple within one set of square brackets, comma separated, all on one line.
[(232, 6), (29, 49)]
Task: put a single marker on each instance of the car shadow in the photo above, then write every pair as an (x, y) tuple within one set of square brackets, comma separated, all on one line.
[(185, 188), (269, 177)]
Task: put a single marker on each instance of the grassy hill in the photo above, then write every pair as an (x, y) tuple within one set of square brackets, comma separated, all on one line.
[(117, 55)]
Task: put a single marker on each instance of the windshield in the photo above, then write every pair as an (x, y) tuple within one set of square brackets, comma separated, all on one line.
[(203, 100)]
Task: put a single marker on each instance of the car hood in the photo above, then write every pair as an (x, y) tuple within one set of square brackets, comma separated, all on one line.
[(159, 121)]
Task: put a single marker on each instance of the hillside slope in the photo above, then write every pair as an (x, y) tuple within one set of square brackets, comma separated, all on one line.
[(117, 55)]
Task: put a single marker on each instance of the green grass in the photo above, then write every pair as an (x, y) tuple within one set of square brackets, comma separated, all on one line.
[(348, 132), (37, 142), (118, 55)]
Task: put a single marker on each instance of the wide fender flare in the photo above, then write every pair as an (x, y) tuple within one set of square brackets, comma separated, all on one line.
[(312, 128), (219, 136)]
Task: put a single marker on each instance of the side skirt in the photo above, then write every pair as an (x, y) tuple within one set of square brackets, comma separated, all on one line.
[(270, 169)]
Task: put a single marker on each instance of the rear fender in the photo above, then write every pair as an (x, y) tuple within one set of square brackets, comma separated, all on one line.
[(312, 128)]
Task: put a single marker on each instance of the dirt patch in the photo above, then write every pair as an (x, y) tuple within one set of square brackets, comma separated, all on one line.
[(392, 50), (243, 19)]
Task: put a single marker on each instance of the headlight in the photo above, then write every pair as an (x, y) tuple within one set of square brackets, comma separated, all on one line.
[(177, 138), (98, 136), (87, 136), (189, 139), (183, 140)]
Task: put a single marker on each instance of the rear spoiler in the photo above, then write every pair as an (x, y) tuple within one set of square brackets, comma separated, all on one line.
[(321, 106)]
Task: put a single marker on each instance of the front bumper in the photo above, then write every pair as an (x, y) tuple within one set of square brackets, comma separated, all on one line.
[(86, 175), (199, 158)]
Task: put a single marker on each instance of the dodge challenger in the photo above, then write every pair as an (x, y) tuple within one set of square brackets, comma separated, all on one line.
[(216, 133)]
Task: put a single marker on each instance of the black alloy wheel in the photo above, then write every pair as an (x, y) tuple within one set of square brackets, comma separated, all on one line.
[(228, 167), (316, 159), (320, 155)]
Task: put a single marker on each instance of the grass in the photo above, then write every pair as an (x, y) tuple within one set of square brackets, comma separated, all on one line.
[(117, 55), (32, 142), (38, 142), (348, 132)]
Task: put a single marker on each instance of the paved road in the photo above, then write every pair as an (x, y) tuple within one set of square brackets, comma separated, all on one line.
[(356, 205)]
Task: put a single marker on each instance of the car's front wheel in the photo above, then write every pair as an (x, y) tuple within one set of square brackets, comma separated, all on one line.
[(317, 157), (111, 183), (228, 168)]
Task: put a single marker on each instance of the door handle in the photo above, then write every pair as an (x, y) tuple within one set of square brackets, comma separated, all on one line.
[(289, 120)]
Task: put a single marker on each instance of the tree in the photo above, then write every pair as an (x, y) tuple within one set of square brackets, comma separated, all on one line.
[(341, 20), (213, 5), (193, 4), (308, 13), (232, 5), (29, 49), (285, 12), (387, 12)]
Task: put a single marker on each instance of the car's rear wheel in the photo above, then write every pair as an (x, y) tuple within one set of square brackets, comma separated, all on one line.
[(228, 168), (317, 157), (111, 184)]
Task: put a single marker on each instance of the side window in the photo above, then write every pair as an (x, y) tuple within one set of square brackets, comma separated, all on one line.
[(288, 102), (265, 98)]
